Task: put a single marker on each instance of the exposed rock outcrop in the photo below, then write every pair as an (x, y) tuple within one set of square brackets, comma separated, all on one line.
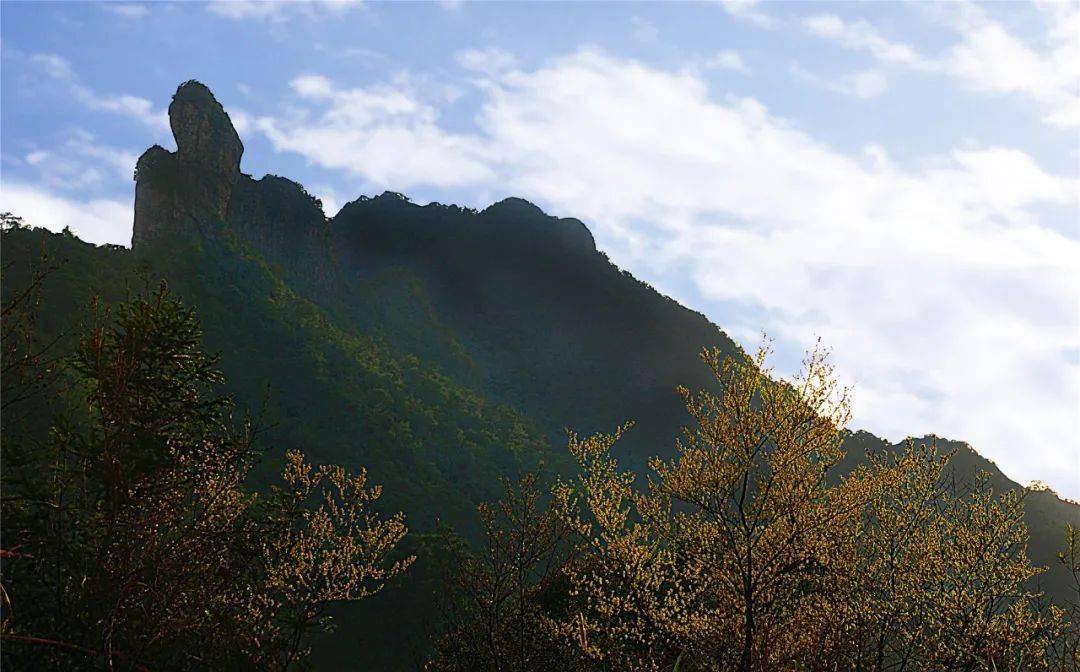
[(174, 191), (286, 224), (205, 136), (522, 218), (201, 182)]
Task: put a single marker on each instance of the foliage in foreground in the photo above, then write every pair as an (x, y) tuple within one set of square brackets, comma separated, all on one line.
[(745, 552), (131, 541)]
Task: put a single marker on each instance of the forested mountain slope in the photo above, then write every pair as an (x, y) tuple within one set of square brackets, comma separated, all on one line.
[(437, 346)]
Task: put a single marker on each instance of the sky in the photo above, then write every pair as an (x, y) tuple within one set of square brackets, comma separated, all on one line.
[(900, 180)]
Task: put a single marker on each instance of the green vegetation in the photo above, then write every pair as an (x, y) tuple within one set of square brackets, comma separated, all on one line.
[(341, 395), (137, 535), (442, 374), (131, 538), (741, 553)]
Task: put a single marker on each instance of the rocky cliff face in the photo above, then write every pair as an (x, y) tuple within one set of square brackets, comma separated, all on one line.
[(204, 134), (201, 183), (281, 220), (174, 191)]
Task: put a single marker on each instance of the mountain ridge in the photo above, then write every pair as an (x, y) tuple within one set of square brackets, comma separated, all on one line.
[(447, 313), (205, 137)]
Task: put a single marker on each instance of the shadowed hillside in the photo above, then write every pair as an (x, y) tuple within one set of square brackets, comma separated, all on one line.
[(439, 347)]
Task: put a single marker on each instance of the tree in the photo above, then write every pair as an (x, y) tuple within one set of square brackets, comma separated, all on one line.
[(27, 364), (498, 615), (1065, 648), (139, 544), (747, 552), (943, 576), (313, 556)]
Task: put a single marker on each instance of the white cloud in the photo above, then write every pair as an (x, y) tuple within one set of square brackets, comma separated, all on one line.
[(242, 121), (135, 107), (37, 158), (488, 61), (986, 57), (747, 10), (312, 86), (727, 60), (82, 164), (385, 135), (277, 11), (948, 303), (368, 57), (54, 66), (989, 59), (121, 162), (246, 9), (860, 35), (126, 10), (864, 84), (97, 221), (330, 199)]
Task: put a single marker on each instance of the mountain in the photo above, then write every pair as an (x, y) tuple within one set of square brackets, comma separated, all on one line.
[(438, 346)]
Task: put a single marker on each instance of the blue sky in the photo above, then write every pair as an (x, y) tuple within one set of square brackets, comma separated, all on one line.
[(898, 179)]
